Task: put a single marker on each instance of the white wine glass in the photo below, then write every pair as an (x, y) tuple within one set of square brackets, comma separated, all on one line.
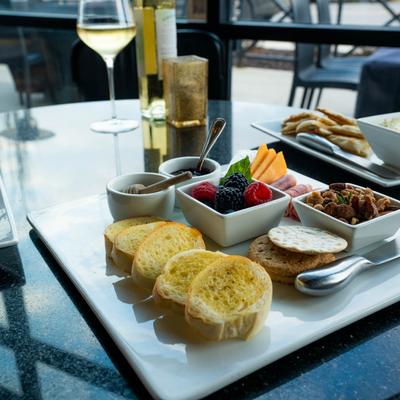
[(107, 26)]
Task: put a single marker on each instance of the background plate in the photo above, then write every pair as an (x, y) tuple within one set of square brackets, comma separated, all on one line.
[(273, 128), (172, 360)]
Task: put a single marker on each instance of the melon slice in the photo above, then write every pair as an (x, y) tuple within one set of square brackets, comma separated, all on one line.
[(276, 170), (261, 154), (265, 164)]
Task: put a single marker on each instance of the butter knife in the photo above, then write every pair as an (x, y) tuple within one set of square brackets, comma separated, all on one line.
[(321, 144), (337, 275)]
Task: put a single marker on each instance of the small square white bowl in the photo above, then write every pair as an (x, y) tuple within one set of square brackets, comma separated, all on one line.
[(384, 141), (357, 236), (230, 229)]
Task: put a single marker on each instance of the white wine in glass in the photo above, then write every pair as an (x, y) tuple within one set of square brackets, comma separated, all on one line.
[(107, 26)]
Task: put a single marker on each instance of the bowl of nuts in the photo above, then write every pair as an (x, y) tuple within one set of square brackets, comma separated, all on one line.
[(360, 215)]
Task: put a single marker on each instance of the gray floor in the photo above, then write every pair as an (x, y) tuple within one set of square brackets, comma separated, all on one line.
[(272, 86)]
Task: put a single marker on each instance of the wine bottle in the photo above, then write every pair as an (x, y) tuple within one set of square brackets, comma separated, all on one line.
[(155, 40)]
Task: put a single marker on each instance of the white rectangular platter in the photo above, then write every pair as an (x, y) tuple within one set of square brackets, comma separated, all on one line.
[(8, 231), (273, 128), (172, 361)]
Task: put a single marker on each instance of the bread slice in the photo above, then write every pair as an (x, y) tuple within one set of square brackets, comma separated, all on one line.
[(230, 298), (127, 242), (112, 230), (172, 285), (162, 244)]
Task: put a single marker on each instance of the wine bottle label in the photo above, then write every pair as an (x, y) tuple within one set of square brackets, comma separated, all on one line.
[(166, 36), (146, 41)]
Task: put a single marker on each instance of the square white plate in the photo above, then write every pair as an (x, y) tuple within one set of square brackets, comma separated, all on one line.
[(273, 128), (8, 231), (173, 362)]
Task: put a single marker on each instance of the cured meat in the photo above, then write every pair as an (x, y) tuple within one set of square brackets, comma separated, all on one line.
[(284, 183), (295, 191), (298, 190)]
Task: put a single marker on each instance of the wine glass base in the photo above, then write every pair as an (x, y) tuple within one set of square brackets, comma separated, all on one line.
[(114, 126)]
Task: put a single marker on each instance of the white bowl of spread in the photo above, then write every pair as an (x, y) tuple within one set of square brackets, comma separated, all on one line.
[(383, 134), (123, 205), (211, 169)]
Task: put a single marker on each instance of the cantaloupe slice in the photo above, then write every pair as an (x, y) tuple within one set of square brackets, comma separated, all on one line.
[(265, 164), (276, 170), (261, 154)]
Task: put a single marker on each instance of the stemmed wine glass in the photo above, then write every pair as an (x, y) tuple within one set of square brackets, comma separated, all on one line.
[(107, 26)]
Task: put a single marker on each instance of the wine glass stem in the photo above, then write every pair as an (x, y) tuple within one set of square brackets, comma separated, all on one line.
[(110, 74), (117, 155)]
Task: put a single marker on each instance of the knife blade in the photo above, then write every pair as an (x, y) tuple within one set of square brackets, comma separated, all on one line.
[(385, 253), (321, 144), (337, 275)]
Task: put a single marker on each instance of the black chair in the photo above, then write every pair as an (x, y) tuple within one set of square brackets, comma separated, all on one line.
[(325, 55), (89, 71), (307, 73)]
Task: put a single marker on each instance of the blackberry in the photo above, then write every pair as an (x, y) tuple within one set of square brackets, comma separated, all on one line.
[(228, 199), (238, 181)]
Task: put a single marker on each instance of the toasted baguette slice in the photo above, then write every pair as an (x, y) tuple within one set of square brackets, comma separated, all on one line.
[(127, 242), (172, 285), (231, 298), (112, 230), (159, 247)]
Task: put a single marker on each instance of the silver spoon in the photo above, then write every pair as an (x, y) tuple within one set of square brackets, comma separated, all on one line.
[(215, 131)]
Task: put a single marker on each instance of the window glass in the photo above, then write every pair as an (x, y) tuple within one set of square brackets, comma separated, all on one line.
[(35, 67), (363, 12)]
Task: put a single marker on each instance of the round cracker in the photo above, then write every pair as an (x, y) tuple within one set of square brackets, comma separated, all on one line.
[(284, 265), (307, 240)]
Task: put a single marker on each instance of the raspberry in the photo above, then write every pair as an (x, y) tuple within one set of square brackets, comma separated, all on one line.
[(238, 181), (205, 192), (228, 199), (257, 193)]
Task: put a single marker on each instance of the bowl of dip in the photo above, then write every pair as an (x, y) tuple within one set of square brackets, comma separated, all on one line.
[(125, 205), (211, 169), (383, 134)]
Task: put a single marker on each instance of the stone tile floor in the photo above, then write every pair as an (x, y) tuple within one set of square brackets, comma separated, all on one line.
[(272, 86)]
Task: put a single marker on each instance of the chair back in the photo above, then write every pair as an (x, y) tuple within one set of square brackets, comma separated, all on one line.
[(89, 71), (324, 17), (305, 53)]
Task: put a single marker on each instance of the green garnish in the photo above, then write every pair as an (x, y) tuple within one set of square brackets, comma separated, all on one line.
[(350, 197), (344, 200), (242, 166), (341, 198)]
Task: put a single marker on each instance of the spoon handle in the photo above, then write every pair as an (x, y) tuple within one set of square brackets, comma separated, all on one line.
[(332, 278), (216, 129), (156, 187)]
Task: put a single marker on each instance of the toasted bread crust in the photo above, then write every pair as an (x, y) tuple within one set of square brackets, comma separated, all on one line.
[(127, 241), (303, 115), (242, 322), (116, 227), (167, 291), (146, 271), (337, 117)]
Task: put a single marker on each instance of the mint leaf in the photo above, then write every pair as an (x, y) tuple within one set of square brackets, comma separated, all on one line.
[(242, 166)]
